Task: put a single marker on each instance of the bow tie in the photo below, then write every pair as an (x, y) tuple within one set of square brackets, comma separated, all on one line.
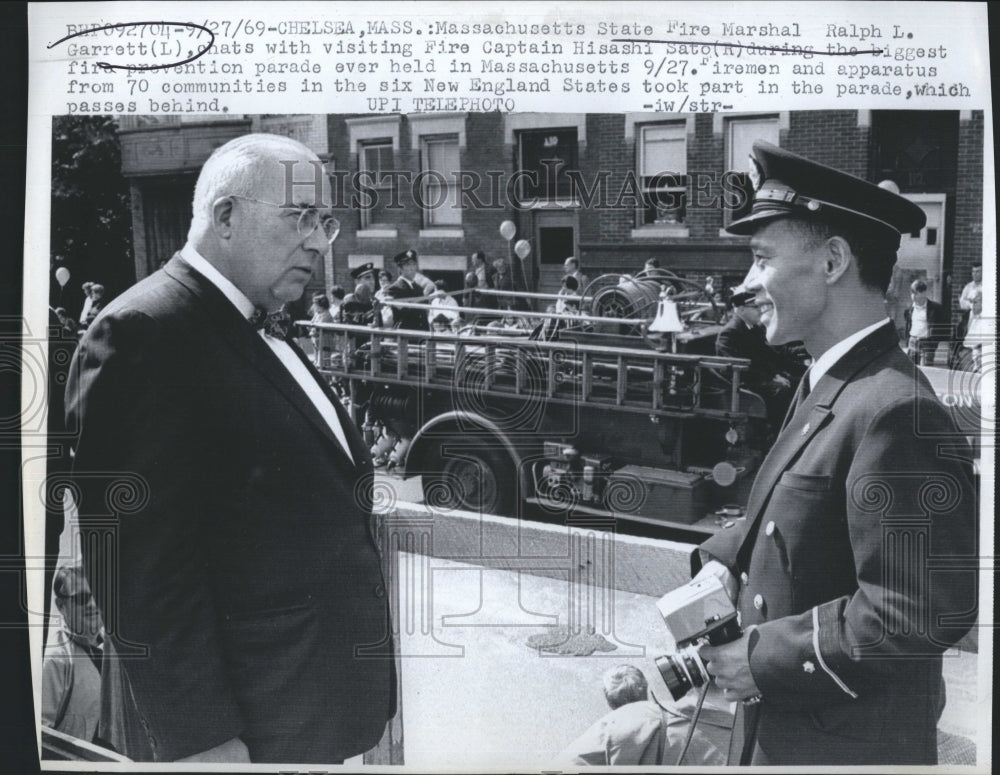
[(276, 324)]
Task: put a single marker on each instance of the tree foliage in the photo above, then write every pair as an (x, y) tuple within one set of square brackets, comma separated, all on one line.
[(91, 229)]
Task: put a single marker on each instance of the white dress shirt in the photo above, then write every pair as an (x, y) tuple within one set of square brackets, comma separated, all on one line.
[(918, 321), (823, 363), (292, 363)]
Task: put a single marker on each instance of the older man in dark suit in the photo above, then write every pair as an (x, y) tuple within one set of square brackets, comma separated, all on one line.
[(245, 565), (855, 568)]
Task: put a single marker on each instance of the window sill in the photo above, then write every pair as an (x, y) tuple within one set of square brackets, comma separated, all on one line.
[(441, 234), (377, 234), (661, 232)]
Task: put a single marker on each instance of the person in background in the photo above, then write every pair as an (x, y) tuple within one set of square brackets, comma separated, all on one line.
[(971, 305), (320, 314), (653, 270), (569, 296), (365, 274), (925, 325), (976, 333), (385, 279), (336, 296), (640, 732), (65, 321), (96, 305), (442, 305), (71, 667), (571, 268), (88, 300), (485, 273), (744, 337), (407, 289)]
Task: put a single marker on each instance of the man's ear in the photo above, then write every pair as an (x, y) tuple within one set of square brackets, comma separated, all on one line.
[(222, 214), (838, 259)]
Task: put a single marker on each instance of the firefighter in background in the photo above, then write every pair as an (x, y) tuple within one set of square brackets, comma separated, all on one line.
[(769, 374), (407, 288)]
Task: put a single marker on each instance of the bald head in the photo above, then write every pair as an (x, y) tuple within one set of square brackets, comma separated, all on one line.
[(257, 212), (248, 166)]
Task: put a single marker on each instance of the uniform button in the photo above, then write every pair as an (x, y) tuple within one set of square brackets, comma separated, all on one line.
[(808, 666), (758, 602), (379, 590), (805, 429), (769, 529), (744, 578)]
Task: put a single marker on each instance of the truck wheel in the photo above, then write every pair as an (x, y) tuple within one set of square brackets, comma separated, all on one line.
[(478, 480)]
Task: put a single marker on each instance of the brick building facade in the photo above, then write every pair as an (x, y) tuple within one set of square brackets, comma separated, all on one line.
[(607, 200)]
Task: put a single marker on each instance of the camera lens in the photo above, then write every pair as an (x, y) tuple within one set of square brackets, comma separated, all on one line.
[(682, 671)]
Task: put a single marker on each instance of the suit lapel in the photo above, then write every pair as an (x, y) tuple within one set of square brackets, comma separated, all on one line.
[(812, 414), (243, 339)]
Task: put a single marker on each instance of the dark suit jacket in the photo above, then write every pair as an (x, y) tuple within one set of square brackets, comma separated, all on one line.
[(239, 533), (937, 323), (402, 290), (859, 538)]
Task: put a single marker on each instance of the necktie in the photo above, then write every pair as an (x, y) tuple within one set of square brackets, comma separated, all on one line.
[(800, 396), (275, 324)]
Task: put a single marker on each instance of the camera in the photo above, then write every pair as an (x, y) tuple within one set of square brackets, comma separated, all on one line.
[(697, 613)]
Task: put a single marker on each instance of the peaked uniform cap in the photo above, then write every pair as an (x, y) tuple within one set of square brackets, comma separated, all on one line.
[(786, 184), (360, 271), (405, 257)]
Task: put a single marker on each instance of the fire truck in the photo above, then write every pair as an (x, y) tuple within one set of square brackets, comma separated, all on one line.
[(611, 404)]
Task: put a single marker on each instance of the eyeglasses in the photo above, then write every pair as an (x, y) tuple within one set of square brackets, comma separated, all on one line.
[(310, 219)]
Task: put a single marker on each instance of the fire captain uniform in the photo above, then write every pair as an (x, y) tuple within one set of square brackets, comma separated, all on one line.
[(855, 568)]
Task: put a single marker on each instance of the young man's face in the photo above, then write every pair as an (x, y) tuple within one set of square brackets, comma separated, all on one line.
[(409, 270), (919, 298), (787, 279), (977, 274)]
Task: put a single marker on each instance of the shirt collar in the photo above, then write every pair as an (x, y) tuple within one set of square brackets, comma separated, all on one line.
[(824, 362), (201, 265)]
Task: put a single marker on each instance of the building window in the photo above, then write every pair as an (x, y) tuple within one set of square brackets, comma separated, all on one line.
[(662, 162), (741, 134), (439, 167), (546, 155), (374, 163)]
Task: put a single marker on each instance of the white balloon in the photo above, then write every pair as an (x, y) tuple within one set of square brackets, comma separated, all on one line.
[(523, 248), (62, 276), (508, 230)]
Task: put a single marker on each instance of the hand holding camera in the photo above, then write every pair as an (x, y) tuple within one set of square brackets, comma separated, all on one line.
[(702, 618)]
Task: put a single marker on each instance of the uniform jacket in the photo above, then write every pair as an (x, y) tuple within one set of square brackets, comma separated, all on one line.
[(244, 562), (402, 290), (937, 322), (856, 564)]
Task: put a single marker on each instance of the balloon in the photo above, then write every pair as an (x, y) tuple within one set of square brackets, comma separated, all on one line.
[(508, 230), (523, 248), (62, 276)]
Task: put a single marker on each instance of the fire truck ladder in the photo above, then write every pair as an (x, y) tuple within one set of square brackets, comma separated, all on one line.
[(646, 381)]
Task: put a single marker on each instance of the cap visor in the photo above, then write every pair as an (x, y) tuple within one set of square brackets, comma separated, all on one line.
[(751, 222)]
